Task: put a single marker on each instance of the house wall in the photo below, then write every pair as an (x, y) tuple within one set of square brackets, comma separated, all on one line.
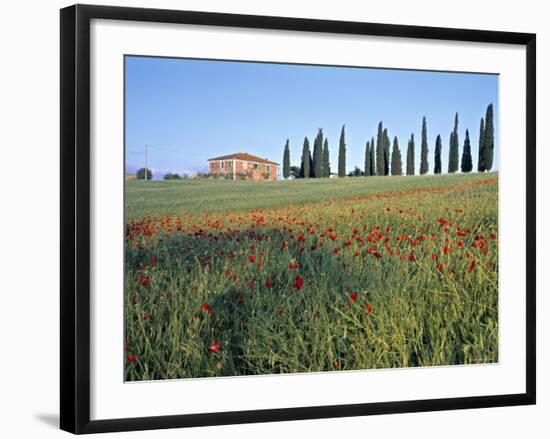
[(215, 166), (256, 170)]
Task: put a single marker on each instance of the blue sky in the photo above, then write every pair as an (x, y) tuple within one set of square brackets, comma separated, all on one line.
[(190, 110)]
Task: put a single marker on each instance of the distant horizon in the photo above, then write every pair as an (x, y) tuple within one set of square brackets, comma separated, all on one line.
[(188, 111)]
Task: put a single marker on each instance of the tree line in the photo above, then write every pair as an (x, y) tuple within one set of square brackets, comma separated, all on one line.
[(383, 157)]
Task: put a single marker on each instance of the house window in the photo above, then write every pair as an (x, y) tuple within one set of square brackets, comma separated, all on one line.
[(228, 164), (255, 166), (211, 165), (222, 165), (268, 168)]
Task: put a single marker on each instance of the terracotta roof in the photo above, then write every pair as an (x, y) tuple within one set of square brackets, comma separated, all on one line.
[(244, 156)]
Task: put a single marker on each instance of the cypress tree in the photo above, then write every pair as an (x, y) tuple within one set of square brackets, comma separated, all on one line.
[(437, 157), (396, 165), (489, 138), (410, 156), (286, 161), (367, 159), (481, 153), (453, 148), (372, 158), (305, 168), (451, 140), (424, 166), (311, 169), (380, 150), (342, 154), (318, 154), (315, 153), (466, 163), (326, 160), (387, 144)]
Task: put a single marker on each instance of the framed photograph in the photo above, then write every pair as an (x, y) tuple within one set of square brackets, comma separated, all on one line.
[(273, 218)]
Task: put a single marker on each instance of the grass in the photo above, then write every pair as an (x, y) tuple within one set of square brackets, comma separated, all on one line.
[(237, 278), (154, 198)]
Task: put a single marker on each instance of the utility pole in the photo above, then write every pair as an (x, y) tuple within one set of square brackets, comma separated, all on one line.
[(146, 176)]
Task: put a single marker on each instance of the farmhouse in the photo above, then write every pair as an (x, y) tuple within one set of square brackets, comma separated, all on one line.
[(243, 166)]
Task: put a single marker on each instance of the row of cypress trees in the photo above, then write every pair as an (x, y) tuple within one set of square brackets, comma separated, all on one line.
[(379, 160), (316, 164)]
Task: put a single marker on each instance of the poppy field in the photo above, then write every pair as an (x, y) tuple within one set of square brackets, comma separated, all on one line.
[(228, 278)]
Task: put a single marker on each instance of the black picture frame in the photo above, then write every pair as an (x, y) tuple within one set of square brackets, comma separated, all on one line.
[(75, 217)]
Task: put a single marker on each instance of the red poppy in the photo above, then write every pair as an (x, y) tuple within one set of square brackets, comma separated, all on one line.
[(252, 258), (153, 261), (471, 266), (293, 265), (353, 297), (299, 283), (377, 255), (215, 346), (206, 307), (434, 257), (239, 301), (145, 281), (227, 273), (132, 358), (268, 283), (234, 277), (369, 308), (335, 251), (411, 258), (440, 266)]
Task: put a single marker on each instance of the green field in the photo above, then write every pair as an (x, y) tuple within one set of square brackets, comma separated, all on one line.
[(229, 278), (153, 198)]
